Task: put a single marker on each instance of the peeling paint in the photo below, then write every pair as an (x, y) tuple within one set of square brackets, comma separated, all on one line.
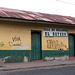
[(21, 47), (3, 59), (25, 59), (57, 58), (18, 47), (49, 58)]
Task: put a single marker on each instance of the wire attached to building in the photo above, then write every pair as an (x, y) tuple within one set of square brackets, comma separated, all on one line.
[(66, 2)]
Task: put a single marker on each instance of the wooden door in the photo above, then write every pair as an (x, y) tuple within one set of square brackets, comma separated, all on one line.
[(36, 45)]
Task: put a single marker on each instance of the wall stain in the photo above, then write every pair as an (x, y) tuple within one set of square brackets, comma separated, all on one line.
[(54, 44), (25, 46)]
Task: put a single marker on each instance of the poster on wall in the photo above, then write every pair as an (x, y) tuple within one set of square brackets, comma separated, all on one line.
[(55, 32)]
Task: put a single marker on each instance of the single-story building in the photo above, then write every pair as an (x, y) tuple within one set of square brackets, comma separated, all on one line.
[(28, 36)]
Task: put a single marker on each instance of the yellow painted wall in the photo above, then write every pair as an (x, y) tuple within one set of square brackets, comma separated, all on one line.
[(17, 32), (17, 36)]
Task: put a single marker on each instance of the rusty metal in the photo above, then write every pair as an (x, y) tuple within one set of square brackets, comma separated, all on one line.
[(14, 13)]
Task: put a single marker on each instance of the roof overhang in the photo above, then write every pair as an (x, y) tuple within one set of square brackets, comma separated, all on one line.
[(34, 21)]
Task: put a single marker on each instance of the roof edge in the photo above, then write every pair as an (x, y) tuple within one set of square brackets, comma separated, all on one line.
[(33, 21)]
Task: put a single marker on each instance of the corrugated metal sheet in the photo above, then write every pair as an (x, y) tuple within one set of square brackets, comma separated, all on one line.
[(13, 13)]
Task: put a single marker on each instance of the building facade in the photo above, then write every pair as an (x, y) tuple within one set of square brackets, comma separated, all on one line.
[(23, 41)]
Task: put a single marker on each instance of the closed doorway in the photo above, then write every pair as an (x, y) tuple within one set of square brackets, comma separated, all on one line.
[(71, 45), (36, 53)]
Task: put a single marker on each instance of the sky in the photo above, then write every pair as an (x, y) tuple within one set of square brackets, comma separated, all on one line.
[(59, 7)]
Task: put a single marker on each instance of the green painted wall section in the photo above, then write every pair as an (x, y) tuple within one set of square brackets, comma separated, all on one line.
[(54, 53), (14, 55), (18, 55)]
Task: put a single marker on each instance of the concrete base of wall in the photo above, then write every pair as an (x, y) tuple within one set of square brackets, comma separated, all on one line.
[(56, 58)]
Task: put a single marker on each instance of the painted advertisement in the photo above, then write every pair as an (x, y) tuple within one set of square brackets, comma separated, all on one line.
[(56, 45), (17, 44)]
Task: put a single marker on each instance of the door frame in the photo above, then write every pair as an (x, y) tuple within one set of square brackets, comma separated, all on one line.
[(39, 31)]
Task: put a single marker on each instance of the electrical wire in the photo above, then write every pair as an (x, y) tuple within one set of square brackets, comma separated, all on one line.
[(66, 2)]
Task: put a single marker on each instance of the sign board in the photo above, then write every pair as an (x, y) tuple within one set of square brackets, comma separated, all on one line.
[(55, 32)]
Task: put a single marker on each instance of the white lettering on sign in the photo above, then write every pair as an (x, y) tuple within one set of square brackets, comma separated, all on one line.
[(54, 32)]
